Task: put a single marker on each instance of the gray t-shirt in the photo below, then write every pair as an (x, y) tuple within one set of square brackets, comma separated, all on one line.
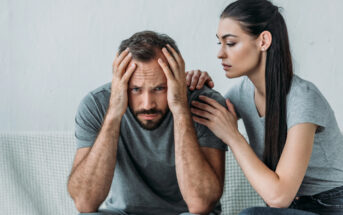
[(144, 180), (305, 104)]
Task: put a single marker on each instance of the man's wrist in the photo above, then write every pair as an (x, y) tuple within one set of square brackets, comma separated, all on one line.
[(112, 118), (181, 111)]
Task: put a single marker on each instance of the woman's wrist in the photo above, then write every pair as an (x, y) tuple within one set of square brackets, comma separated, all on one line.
[(232, 140)]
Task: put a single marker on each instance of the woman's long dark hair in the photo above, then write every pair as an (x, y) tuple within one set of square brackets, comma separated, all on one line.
[(256, 16)]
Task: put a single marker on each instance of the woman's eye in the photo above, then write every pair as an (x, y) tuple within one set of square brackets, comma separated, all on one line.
[(219, 43), (230, 44)]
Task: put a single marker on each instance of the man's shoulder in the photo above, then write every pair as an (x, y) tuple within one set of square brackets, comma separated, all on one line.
[(206, 91), (103, 89)]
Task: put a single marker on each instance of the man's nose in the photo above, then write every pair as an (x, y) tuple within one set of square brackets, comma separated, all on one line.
[(148, 101)]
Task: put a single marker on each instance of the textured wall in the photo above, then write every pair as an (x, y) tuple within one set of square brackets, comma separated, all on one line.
[(53, 52)]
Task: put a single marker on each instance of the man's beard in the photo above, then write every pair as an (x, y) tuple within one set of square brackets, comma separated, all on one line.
[(150, 124)]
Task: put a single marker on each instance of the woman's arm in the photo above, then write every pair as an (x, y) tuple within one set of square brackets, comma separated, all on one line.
[(278, 188)]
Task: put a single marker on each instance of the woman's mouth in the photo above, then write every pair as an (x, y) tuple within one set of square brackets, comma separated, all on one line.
[(226, 67)]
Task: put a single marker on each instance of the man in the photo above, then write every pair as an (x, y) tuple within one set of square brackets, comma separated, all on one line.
[(137, 143)]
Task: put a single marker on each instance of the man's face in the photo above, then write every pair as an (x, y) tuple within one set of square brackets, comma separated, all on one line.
[(148, 93)]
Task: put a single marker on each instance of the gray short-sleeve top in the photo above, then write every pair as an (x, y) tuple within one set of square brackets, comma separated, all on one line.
[(305, 104), (144, 180)]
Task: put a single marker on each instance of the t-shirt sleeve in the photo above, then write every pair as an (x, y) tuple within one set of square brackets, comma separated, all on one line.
[(233, 96), (307, 105), (206, 138), (87, 122)]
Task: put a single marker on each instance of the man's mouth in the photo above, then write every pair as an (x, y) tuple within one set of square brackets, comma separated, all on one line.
[(149, 116)]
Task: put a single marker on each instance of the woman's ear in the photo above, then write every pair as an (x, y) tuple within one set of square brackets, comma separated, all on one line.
[(265, 40)]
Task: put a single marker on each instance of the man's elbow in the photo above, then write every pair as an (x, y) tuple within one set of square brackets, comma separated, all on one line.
[(84, 206), (202, 206)]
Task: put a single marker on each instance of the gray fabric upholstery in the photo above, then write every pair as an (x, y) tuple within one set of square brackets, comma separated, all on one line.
[(34, 169)]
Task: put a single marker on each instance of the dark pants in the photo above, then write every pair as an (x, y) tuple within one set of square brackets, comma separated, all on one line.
[(119, 212), (326, 203)]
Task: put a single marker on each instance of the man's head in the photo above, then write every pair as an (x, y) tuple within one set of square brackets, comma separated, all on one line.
[(148, 84)]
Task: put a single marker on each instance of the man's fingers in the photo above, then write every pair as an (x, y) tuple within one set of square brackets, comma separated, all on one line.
[(123, 64), (119, 58), (171, 61), (176, 55), (165, 69), (130, 69)]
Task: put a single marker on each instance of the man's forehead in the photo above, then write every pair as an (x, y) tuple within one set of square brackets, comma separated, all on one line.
[(148, 71)]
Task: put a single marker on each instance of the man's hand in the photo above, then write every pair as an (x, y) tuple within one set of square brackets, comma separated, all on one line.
[(121, 76), (176, 81)]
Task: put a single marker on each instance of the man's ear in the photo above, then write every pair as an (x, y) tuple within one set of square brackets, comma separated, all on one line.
[(265, 40)]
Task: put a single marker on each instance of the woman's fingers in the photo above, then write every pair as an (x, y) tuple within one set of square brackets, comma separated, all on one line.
[(195, 79), (204, 78), (211, 102), (231, 107), (203, 106), (202, 113), (200, 120), (189, 75)]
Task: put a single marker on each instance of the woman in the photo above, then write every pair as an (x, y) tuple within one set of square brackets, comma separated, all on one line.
[(294, 159)]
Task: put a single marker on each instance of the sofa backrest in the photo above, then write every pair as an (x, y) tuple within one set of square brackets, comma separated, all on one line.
[(34, 170)]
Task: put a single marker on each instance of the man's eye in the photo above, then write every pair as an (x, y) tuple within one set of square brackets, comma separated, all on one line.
[(159, 88), (135, 89)]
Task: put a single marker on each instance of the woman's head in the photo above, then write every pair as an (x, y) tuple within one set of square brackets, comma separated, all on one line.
[(261, 42)]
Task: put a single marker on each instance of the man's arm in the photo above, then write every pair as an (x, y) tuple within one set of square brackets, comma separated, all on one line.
[(93, 168), (200, 176)]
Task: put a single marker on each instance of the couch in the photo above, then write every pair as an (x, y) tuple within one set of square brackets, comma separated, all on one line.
[(34, 169)]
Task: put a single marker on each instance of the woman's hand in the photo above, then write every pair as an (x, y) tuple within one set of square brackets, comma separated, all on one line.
[(221, 121), (196, 79)]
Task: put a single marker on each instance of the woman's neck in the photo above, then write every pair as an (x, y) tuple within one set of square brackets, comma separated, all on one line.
[(257, 77)]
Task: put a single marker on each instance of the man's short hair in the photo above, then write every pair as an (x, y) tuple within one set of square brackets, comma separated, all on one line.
[(143, 45)]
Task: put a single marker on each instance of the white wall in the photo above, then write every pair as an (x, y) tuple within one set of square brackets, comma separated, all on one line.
[(52, 52)]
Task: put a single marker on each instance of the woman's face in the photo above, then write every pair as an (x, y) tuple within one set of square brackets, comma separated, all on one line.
[(239, 51)]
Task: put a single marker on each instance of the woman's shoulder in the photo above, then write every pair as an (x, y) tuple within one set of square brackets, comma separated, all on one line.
[(305, 103)]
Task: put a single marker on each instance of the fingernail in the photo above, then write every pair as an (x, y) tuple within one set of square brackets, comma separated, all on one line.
[(133, 65), (159, 60)]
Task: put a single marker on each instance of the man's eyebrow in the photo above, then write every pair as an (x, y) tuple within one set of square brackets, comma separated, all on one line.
[(226, 35)]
